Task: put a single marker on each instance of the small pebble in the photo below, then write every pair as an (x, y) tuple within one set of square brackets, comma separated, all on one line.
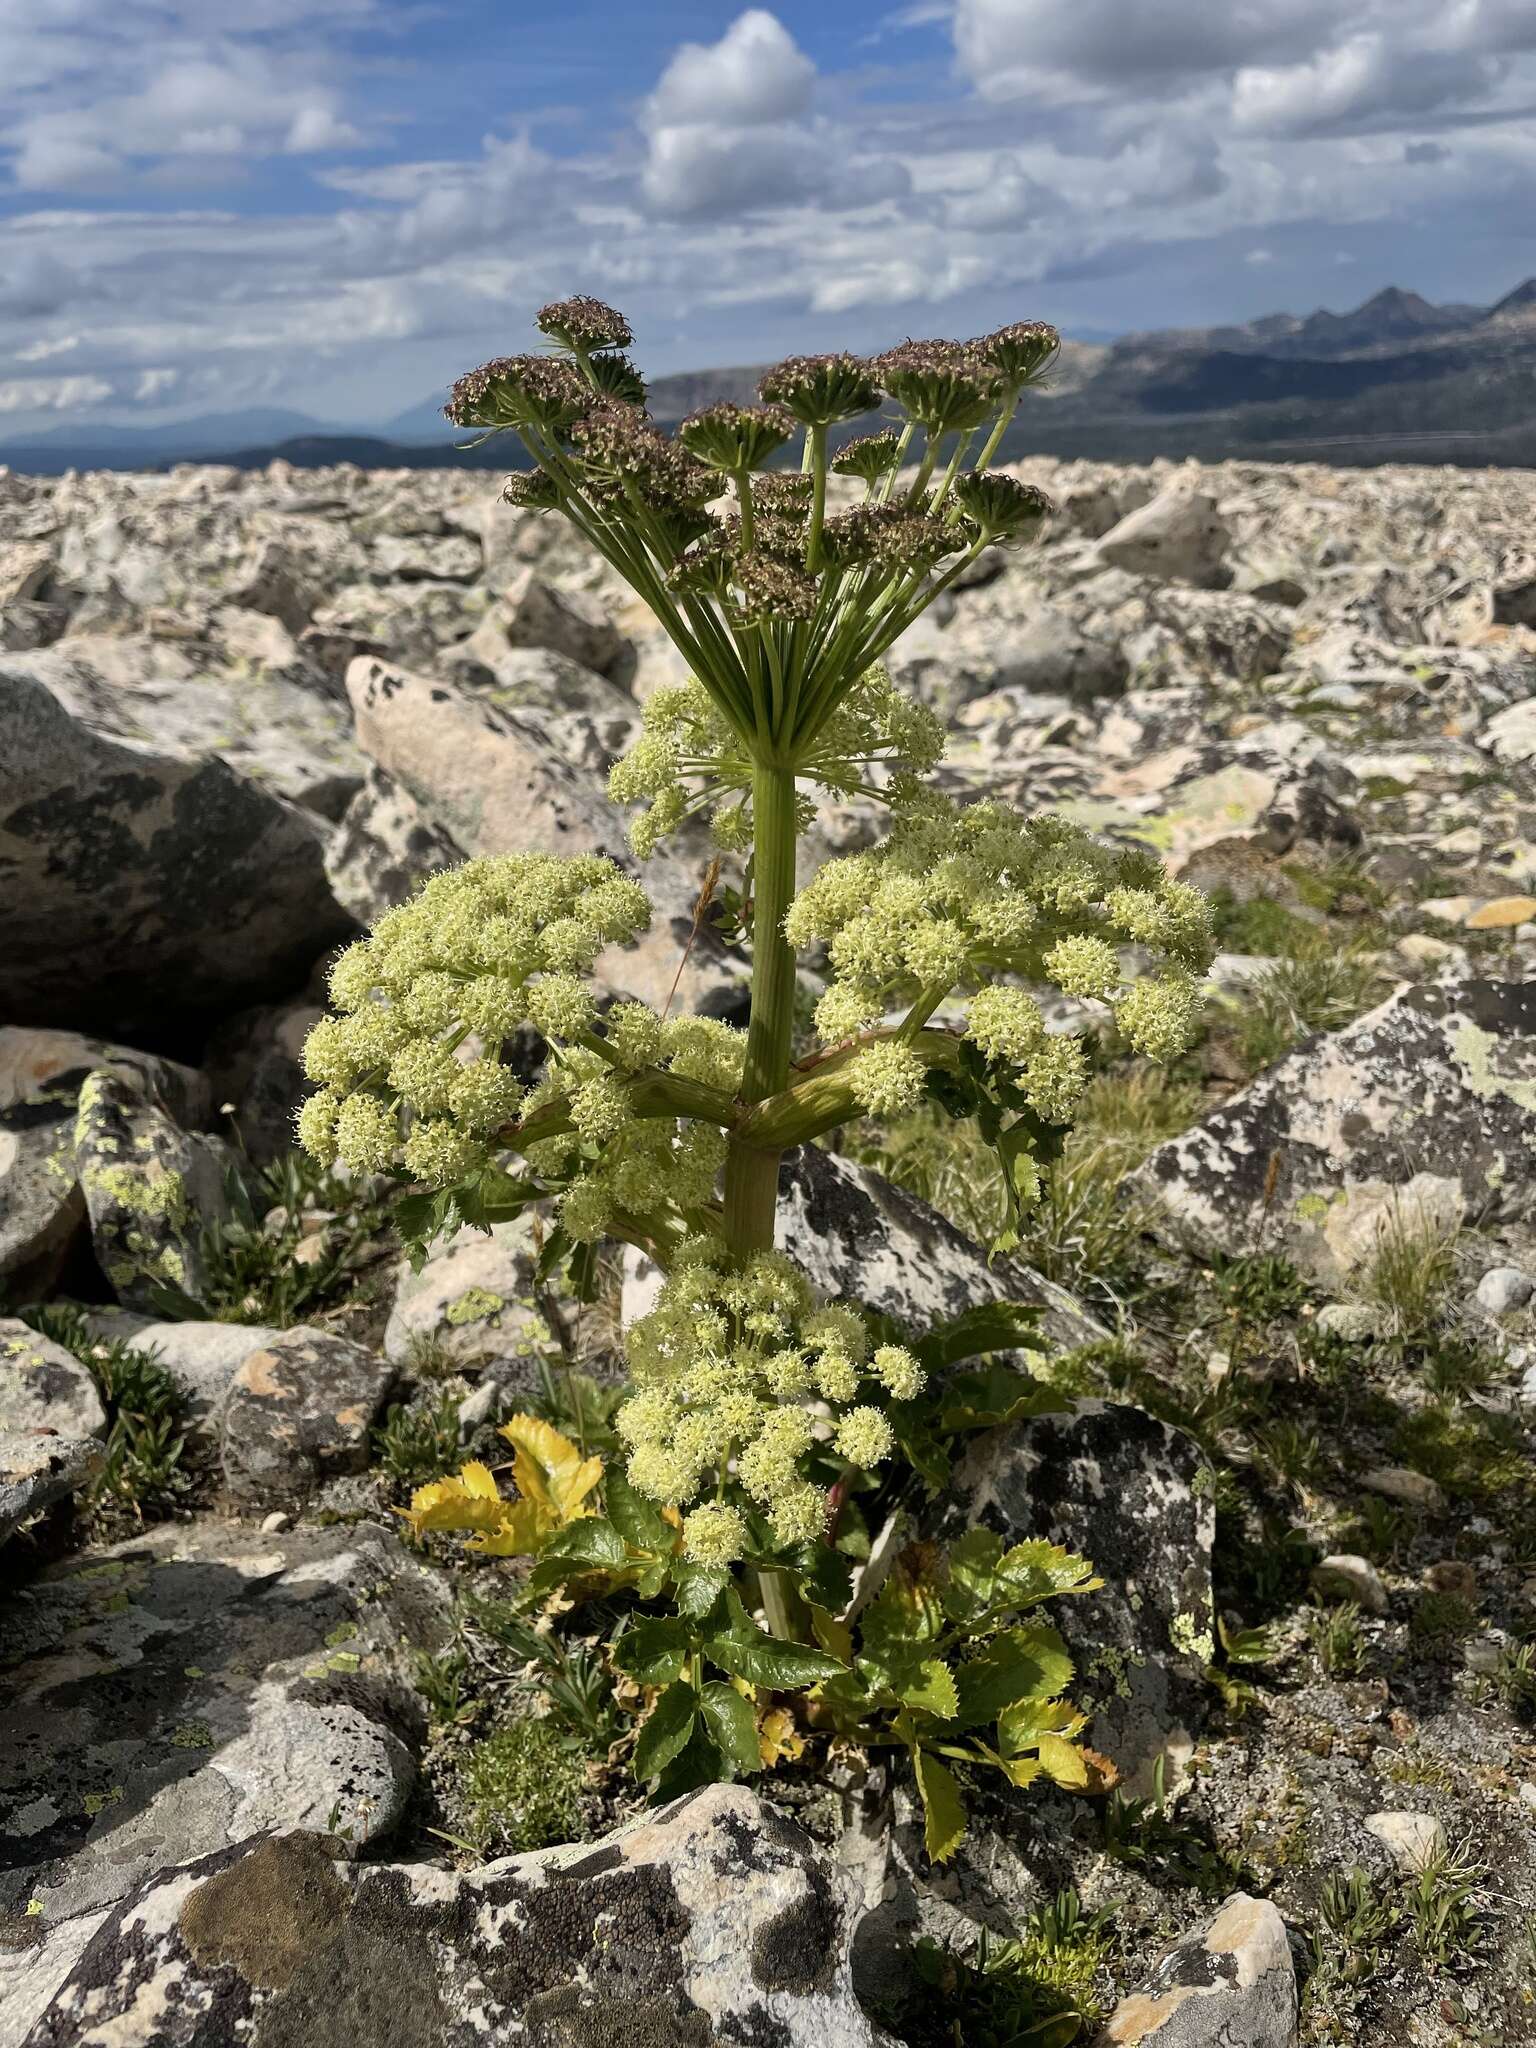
[(1412, 1839), (1504, 1290), (271, 1524), (1351, 1578), (1397, 1482), (1452, 1575), (1355, 1321)]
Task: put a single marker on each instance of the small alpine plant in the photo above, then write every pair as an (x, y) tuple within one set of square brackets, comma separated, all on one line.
[(766, 1434)]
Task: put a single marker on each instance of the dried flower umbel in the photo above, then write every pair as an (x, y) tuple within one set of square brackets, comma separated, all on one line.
[(754, 1410)]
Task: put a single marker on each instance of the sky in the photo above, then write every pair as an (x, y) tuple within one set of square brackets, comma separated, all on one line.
[(339, 205)]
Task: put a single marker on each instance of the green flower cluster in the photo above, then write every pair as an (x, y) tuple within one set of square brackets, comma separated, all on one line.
[(960, 892), (726, 1367), (688, 760), (427, 1000), (613, 1163)]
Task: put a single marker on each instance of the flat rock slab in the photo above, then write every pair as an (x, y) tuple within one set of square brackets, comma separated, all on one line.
[(37, 1471), (713, 1920), (298, 1410), (475, 1299), (137, 887), (1228, 1984), (202, 1357), (43, 1386), (1426, 1105), (1123, 1489), (193, 1687)]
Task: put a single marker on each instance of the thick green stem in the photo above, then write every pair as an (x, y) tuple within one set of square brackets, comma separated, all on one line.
[(752, 1174)]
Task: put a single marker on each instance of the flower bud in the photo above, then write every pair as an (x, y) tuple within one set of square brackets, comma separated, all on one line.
[(942, 384), (516, 391), (868, 456), (1001, 506), (1021, 352), (736, 437), (820, 390), (583, 323)]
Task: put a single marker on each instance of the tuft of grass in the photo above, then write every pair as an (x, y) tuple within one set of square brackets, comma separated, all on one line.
[(146, 1468), (1357, 1919), (572, 1675), (521, 1788), (1319, 985), (1410, 1271), (1448, 1915), (418, 1441), (1259, 926), (1441, 1620), (1149, 1836), (1336, 1640), (1040, 1988)]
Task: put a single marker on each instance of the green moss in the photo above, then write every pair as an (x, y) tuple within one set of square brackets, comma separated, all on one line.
[(474, 1305), (521, 1788)]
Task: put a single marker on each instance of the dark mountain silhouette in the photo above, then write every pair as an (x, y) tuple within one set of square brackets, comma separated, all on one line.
[(1396, 380)]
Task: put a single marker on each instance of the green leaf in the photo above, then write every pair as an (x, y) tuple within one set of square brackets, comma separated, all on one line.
[(943, 1808), (766, 1661), (975, 1586), (592, 1540), (696, 1588), (1037, 1571), (666, 1729), (993, 1395), (653, 1652), (730, 1721), (697, 1763), (825, 1577), (932, 1691), (1020, 1664), (639, 1521), (991, 1326)]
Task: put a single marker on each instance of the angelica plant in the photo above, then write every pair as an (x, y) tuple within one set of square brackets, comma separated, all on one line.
[(756, 1412)]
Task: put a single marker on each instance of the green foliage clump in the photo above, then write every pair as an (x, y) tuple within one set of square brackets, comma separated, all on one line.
[(520, 1788), (1038, 1989), (1317, 985), (146, 1470), (417, 1439)]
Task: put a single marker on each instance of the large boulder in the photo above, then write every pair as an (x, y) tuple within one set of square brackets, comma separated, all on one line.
[(1178, 536), (41, 1206), (193, 1687), (38, 1470), (151, 1189), (203, 1358), (298, 1410), (141, 890), (1228, 1983), (713, 1920), (492, 779), (1121, 1488), (1424, 1107), (476, 1298), (385, 846), (43, 1387)]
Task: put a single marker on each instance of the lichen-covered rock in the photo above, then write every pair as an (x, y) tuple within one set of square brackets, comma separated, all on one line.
[(713, 1921), (476, 1298), (38, 1469), (150, 1188), (1425, 1107), (141, 890), (41, 1207), (203, 1358), (1179, 536), (533, 612), (1228, 1984), (1128, 1492), (385, 845), (45, 1387), (298, 1410), (495, 783), (193, 1687)]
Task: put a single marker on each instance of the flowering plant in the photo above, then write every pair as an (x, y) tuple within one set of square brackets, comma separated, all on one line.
[(756, 1413)]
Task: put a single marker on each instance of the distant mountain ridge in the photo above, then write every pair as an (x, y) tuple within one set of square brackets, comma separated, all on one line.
[(1398, 379)]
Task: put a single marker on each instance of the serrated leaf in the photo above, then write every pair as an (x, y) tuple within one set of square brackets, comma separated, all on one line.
[(652, 1652), (933, 1690), (993, 1395), (824, 1576), (1063, 1762), (1020, 1664), (1037, 1570), (591, 1542), (732, 1725), (768, 1661), (638, 1520), (990, 1326), (548, 1468), (696, 1588), (665, 1731), (943, 1808)]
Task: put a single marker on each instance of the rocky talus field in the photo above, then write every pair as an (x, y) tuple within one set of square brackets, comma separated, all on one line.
[(258, 1780)]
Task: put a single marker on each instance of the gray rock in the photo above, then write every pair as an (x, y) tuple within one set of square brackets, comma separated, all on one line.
[(1346, 1577), (136, 886), (202, 1357), (45, 1387), (1425, 1108), (254, 1065), (1504, 1290), (1124, 1490), (385, 846), (150, 1189), (476, 1298), (1050, 654), (299, 1410), (712, 1920), (1511, 736), (41, 1206), (38, 1470), (535, 613), (1399, 1482), (1411, 1839), (1179, 536), (1358, 1322), (195, 1686), (1230, 1983)]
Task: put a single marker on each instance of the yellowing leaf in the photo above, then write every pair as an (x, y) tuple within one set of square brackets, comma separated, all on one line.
[(943, 1808), (1502, 914), (479, 1479), (550, 1469), (458, 1503), (1064, 1763), (778, 1739)]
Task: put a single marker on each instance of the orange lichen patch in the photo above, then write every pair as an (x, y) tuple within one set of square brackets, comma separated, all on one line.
[(261, 1374), (1502, 914)]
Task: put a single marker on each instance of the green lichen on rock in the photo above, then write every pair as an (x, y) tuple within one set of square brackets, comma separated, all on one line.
[(474, 1305), (1473, 1050)]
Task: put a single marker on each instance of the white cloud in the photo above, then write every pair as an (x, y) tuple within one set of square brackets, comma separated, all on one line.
[(1010, 48), (1366, 80), (754, 74), (52, 394)]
